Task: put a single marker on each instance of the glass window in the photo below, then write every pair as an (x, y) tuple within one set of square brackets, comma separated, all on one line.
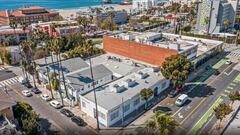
[(114, 115), (136, 102), (126, 108), (164, 85)]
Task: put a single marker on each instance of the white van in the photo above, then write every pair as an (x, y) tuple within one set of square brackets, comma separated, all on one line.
[(181, 100), (22, 80)]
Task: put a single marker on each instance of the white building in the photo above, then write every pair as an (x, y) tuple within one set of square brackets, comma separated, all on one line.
[(120, 98), (143, 4)]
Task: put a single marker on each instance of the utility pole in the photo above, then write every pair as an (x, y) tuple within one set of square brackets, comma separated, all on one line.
[(94, 91)]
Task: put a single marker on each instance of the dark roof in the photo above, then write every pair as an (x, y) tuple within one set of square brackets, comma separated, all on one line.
[(84, 76)]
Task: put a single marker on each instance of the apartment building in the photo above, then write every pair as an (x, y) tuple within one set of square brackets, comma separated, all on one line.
[(32, 14), (6, 32)]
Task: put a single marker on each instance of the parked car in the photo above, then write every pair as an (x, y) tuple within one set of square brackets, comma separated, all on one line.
[(67, 112), (228, 62), (207, 67), (173, 93), (36, 90), (79, 121), (55, 104), (181, 100), (216, 72), (46, 97), (27, 85), (26, 93), (22, 80)]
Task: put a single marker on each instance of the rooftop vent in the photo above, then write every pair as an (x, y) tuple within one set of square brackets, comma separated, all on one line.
[(129, 82), (142, 75), (117, 88)]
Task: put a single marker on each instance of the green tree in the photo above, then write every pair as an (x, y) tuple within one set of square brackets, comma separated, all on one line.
[(163, 124), (30, 123), (21, 109), (145, 94), (233, 96), (226, 24), (176, 68), (221, 111), (55, 85)]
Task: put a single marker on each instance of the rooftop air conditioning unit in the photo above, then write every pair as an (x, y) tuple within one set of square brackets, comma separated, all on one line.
[(117, 88), (141, 75), (129, 82)]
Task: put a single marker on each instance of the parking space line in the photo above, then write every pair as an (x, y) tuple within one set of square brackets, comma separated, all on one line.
[(177, 111)]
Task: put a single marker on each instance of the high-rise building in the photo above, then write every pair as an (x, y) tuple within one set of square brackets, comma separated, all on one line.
[(213, 13)]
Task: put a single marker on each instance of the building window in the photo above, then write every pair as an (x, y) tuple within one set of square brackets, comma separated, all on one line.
[(164, 85), (126, 108), (83, 104), (114, 115), (101, 115), (136, 102)]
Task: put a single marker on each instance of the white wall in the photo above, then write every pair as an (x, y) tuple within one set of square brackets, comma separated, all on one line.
[(108, 122)]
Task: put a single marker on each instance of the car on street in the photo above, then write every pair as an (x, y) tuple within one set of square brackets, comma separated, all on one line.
[(173, 93), (26, 93), (181, 100), (216, 72), (228, 62), (22, 80), (46, 97), (27, 85), (55, 104), (66, 112), (78, 120), (36, 90)]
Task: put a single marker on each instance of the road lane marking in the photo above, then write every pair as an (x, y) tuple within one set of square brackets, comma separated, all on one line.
[(202, 101), (177, 111), (205, 117), (191, 112)]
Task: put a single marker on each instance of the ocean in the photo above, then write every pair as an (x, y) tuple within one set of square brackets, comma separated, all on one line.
[(51, 4)]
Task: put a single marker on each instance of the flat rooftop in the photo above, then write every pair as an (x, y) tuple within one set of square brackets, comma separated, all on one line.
[(105, 94), (121, 67), (170, 41)]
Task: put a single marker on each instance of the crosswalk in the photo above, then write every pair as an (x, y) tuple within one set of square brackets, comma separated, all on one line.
[(235, 54), (9, 82)]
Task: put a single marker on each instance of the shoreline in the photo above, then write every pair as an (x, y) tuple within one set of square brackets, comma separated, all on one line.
[(71, 12)]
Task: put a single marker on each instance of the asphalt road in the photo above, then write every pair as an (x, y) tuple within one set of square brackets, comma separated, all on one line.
[(51, 119), (5, 74)]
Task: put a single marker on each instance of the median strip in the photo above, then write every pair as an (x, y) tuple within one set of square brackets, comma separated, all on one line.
[(204, 118)]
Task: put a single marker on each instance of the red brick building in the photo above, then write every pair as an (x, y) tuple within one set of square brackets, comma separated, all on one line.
[(138, 51), (28, 15)]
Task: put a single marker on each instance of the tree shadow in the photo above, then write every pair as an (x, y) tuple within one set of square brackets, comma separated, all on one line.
[(203, 90), (47, 127)]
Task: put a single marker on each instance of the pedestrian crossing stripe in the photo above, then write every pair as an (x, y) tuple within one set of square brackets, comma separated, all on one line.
[(9, 82)]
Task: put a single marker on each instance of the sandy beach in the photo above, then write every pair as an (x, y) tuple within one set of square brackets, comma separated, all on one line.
[(72, 12)]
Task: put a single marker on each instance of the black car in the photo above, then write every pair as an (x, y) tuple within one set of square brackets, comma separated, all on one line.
[(67, 112), (79, 121), (36, 90), (173, 93), (28, 85), (216, 72)]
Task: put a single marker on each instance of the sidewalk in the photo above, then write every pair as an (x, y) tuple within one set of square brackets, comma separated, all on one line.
[(219, 128)]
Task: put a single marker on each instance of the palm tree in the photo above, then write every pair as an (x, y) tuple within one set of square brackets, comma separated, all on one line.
[(163, 124), (13, 24), (145, 94), (24, 27), (226, 24), (55, 48)]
